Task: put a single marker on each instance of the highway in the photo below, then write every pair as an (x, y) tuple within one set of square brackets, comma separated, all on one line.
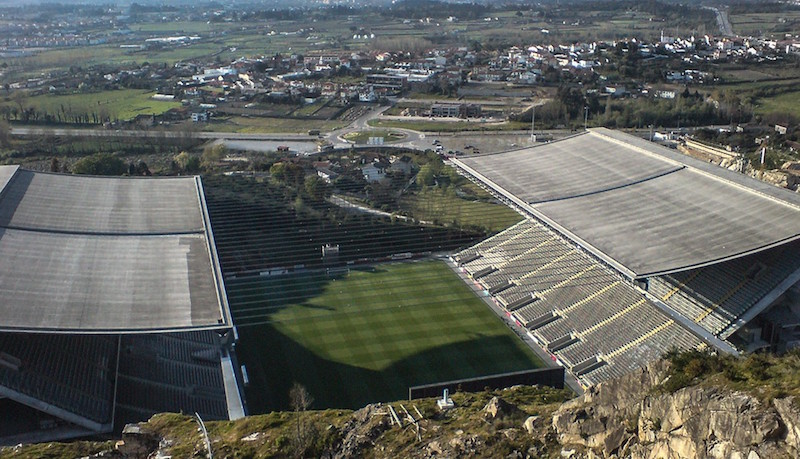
[(722, 21), (299, 142), (489, 141), (154, 134)]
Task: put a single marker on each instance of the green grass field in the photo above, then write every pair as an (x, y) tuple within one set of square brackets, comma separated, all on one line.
[(786, 103), (765, 23), (368, 335), (122, 104), (362, 137), (434, 204)]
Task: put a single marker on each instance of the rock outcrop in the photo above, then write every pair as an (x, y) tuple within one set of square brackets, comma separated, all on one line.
[(360, 433), (657, 412), (499, 408), (629, 417)]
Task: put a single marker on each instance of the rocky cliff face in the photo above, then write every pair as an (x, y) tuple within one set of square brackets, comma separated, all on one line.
[(656, 412), (632, 418)]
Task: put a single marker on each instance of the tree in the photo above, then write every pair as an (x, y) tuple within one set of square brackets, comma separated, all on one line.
[(212, 155), (187, 163), (351, 182), (143, 169), (426, 175), (300, 400), (573, 100), (288, 173), (5, 134), (316, 188), (139, 169), (100, 164)]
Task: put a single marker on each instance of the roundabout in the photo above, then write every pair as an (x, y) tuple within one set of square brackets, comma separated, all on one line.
[(370, 136)]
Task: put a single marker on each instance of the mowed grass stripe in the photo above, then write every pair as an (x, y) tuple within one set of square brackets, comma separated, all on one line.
[(367, 335)]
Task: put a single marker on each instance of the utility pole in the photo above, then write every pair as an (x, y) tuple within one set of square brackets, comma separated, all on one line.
[(533, 123)]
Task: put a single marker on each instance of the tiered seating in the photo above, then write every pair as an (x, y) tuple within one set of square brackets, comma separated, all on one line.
[(595, 322), (647, 350), (257, 229), (609, 335), (605, 302), (74, 373), (497, 239), (715, 296), (171, 372)]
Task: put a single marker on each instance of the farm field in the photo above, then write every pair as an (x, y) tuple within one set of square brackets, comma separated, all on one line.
[(366, 335), (122, 104), (765, 23), (786, 103)]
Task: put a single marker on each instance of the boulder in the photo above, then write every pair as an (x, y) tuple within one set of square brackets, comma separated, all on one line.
[(435, 448), (499, 408), (137, 441), (532, 424)]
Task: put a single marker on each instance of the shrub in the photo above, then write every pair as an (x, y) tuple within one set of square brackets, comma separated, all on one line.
[(100, 164)]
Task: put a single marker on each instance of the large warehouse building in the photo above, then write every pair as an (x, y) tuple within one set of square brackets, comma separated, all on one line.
[(630, 249), (112, 305)]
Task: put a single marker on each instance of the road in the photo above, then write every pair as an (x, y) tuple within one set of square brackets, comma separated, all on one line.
[(490, 141), (152, 134), (722, 21), (412, 139), (303, 143)]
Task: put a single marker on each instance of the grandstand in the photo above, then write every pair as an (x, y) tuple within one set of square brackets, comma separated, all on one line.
[(656, 251), (113, 305)]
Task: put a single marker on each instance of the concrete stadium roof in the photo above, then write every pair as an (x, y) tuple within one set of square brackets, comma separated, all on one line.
[(107, 205), (643, 208), (106, 255)]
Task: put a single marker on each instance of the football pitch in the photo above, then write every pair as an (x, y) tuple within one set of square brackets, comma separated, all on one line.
[(366, 335)]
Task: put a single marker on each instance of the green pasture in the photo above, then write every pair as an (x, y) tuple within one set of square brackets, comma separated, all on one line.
[(785, 103), (123, 104), (443, 206)]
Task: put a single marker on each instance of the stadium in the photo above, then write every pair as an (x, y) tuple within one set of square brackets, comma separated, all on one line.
[(122, 297)]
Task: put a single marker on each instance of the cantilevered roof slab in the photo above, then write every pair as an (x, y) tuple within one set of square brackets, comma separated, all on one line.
[(108, 205), (562, 171), (640, 207), (6, 172), (106, 255), (108, 283)]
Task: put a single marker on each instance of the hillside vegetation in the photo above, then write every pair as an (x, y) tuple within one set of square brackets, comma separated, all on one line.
[(695, 404)]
